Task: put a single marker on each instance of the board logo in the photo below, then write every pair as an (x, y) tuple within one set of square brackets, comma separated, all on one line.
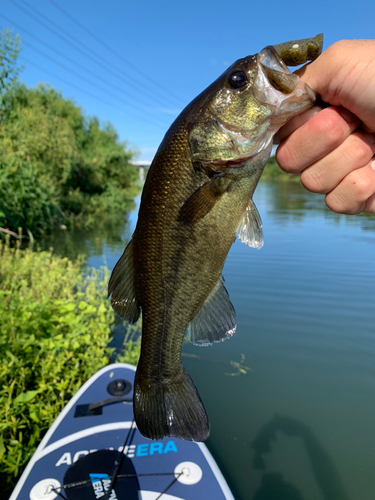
[(101, 484), (132, 451)]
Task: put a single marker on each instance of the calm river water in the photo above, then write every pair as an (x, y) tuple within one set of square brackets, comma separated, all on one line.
[(301, 424)]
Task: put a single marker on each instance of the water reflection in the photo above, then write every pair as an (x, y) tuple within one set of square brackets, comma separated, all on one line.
[(273, 486), (306, 326), (107, 236), (289, 201)]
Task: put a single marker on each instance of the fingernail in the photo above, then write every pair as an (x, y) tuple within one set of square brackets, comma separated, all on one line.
[(348, 115), (372, 163), (316, 110)]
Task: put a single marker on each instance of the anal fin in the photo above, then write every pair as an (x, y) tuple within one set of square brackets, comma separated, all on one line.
[(121, 286), (216, 320)]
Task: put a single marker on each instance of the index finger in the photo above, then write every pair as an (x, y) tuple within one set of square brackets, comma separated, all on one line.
[(324, 132), (294, 123)]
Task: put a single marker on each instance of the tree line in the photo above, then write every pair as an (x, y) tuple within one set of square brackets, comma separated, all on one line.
[(58, 167)]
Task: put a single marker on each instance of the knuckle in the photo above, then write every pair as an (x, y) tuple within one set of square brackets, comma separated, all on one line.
[(337, 51), (313, 181), (341, 206), (285, 158), (332, 130), (334, 205), (351, 196), (361, 153), (358, 185), (337, 47)]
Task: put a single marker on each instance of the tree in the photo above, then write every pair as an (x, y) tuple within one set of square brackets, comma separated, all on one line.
[(10, 46), (57, 166)]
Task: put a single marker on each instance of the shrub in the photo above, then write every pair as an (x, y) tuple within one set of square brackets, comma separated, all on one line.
[(58, 166), (54, 333)]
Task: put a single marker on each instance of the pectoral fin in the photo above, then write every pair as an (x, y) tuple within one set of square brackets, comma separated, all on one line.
[(250, 229), (216, 320), (202, 201), (121, 286)]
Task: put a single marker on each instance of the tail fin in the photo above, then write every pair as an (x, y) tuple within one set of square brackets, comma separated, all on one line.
[(170, 407)]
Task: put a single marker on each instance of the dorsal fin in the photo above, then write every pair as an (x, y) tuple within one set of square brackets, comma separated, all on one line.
[(216, 320), (121, 286)]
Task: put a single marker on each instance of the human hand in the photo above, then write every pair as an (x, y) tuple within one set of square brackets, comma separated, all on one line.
[(333, 148)]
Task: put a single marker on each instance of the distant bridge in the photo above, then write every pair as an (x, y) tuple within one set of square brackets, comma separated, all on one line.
[(143, 165)]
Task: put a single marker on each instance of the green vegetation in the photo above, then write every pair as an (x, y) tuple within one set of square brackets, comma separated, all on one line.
[(9, 48), (54, 334), (272, 171), (57, 166)]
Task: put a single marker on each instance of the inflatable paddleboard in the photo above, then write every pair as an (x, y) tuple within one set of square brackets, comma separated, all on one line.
[(94, 451)]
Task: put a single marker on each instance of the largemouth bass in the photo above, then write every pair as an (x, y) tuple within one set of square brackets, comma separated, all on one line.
[(196, 198)]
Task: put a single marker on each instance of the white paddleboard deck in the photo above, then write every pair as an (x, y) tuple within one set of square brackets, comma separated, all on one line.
[(77, 457)]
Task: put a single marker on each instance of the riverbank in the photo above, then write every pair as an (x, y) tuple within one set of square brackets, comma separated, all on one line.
[(55, 327)]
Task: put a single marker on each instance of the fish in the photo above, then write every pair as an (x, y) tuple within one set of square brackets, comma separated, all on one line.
[(197, 197)]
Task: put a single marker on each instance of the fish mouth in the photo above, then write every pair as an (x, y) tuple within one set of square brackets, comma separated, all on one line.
[(276, 86), (277, 95)]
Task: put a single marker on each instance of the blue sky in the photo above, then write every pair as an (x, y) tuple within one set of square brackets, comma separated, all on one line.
[(148, 59)]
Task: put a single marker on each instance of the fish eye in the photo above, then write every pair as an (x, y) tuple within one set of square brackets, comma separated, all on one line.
[(237, 79)]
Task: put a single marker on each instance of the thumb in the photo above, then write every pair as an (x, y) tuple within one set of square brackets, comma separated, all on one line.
[(344, 75)]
